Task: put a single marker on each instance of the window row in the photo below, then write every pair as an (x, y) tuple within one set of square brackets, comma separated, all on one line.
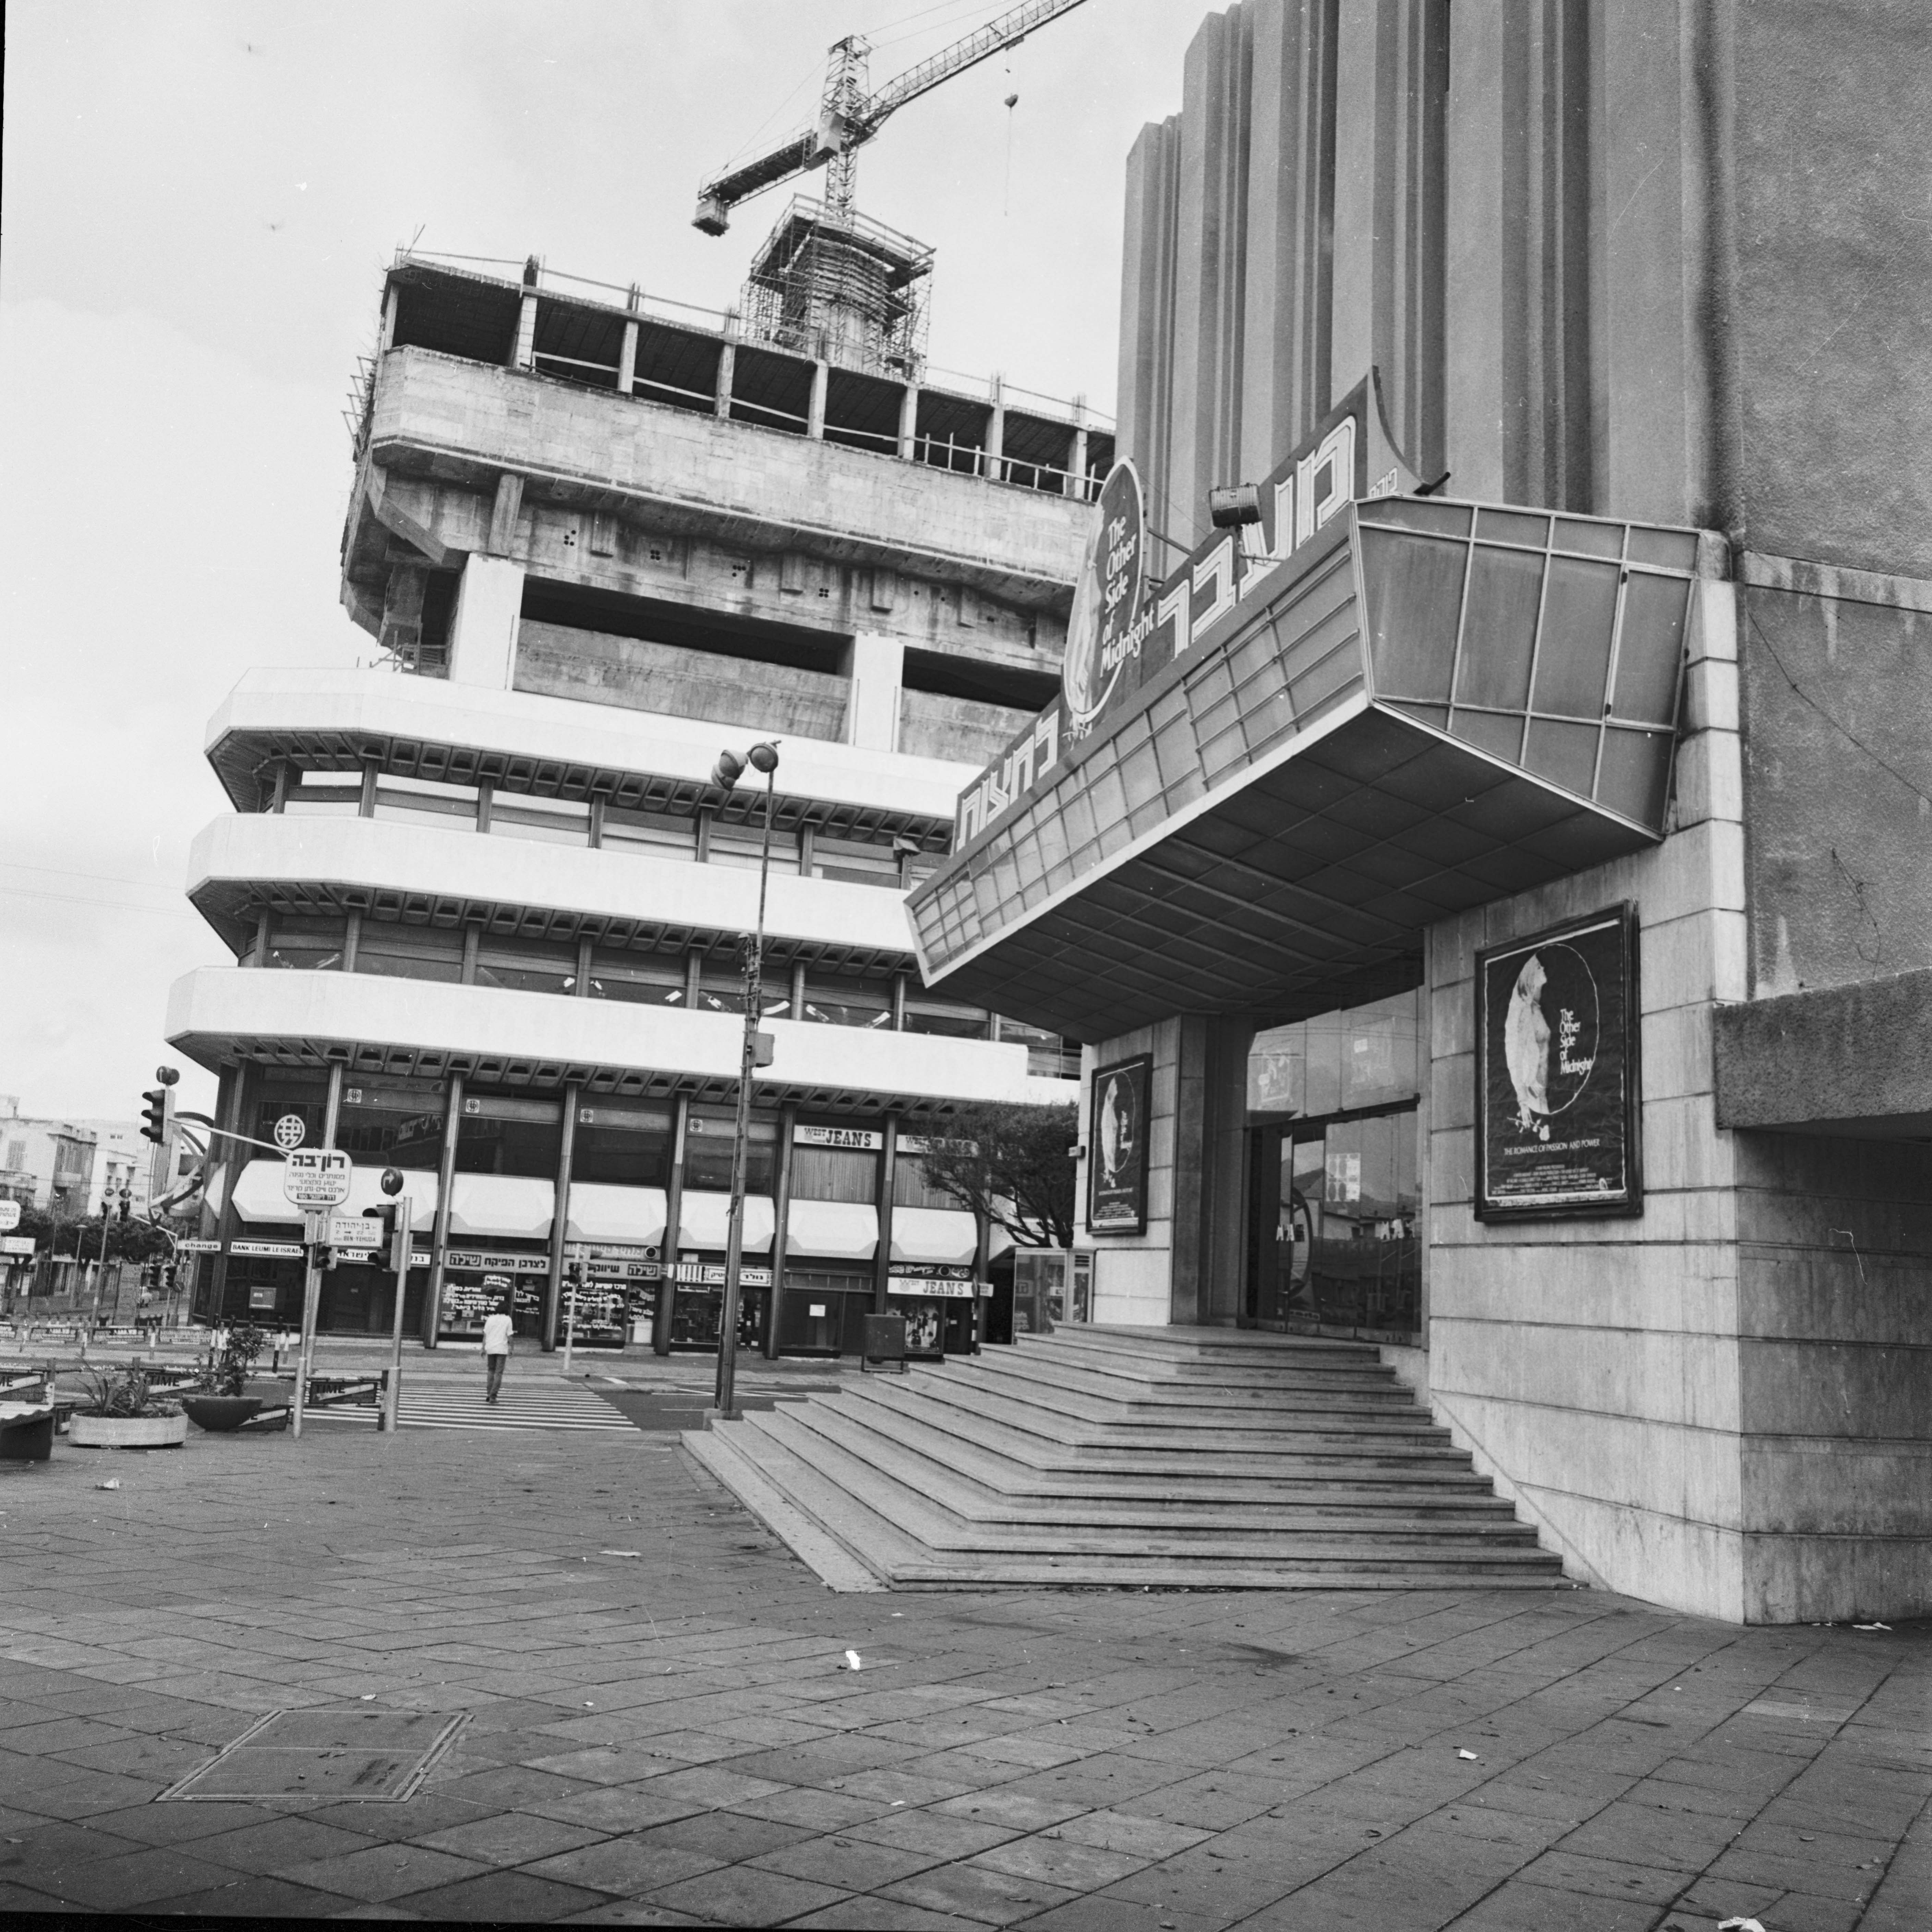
[(894, 863), (624, 1144), (696, 982)]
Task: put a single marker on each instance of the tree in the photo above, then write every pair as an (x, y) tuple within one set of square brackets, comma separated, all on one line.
[(1012, 1163), (131, 1241)]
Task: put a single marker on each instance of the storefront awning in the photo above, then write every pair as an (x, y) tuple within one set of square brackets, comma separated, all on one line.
[(704, 1221), (508, 1206), (1435, 705), (948, 1235), (831, 1231), (601, 1213), (259, 1195)]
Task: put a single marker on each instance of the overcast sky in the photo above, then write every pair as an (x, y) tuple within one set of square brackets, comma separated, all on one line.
[(199, 201)]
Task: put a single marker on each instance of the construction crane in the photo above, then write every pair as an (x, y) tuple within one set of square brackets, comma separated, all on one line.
[(849, 115)]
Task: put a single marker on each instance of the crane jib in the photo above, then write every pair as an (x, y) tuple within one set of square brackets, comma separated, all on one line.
[(860, 118)]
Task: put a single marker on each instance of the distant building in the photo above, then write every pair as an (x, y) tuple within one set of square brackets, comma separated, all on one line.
[(123, 1162), (485, 904), (47, 1164), (1490, 866)]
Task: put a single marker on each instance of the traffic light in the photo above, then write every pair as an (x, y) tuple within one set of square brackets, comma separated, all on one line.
[(125, 1198), (157, 1116)]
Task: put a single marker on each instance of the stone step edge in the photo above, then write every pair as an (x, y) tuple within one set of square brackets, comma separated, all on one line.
[(999, 1499), (827, 1556)]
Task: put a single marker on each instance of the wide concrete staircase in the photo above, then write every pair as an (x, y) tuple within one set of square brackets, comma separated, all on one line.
[(1178, 1458)]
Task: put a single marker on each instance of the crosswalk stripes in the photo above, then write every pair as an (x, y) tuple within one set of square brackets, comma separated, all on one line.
[(441, 1404)]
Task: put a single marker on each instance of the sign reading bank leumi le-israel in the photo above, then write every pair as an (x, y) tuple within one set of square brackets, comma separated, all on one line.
[(1125, 631)]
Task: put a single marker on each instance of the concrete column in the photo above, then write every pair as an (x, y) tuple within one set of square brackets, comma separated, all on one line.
[(392, 299), (1475, 269), (1362, 26), (909, 422), (483, 627), (560, 1221), (872, 694), (234, 1157), (365, 805), (815, 410), (798, 990), (445, 1186), (352, 940), (1076, 485), (627, 360), (582, 989), (889, 1158), (993, 463), (727, 370), (258, 954), (523, 356), (673, 1210), (781, 1230)]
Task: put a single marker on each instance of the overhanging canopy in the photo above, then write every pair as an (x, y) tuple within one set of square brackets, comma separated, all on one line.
[(1447, 703)]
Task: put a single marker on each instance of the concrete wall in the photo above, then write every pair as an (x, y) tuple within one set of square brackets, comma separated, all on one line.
[(1721, 1405), (933, 726), (1837, 692), (559, 661)]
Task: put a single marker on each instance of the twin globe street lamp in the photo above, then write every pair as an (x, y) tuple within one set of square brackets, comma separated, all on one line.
[(725, 775)]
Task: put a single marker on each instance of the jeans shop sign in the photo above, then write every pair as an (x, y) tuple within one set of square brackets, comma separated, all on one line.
[(1125, 629)]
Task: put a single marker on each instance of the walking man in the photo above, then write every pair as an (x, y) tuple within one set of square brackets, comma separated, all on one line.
[(496, 1347)]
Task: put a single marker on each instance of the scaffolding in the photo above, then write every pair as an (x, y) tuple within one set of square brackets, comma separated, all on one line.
[(839, 286)]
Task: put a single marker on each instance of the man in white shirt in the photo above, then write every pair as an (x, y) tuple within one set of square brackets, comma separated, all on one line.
[(496, 1347)]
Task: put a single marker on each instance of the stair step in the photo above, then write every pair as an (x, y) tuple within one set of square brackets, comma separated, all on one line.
[(1122, 1459)]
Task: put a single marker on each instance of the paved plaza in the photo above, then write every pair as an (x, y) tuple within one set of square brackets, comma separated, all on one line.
[(660, 1725)]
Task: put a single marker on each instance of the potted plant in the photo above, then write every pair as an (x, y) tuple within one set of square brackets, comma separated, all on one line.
[(226, 1404), (121, 1412)]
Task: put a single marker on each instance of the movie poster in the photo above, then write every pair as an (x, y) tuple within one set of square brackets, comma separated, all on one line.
[(1557, 1084), (1117, 1148)]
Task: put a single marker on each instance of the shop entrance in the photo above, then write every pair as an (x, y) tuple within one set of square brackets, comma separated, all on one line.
[(1334, 1232)]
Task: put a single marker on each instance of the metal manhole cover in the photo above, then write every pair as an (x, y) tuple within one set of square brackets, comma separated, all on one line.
[(382, 1756)]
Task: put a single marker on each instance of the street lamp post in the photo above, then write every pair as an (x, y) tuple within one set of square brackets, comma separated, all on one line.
[(725, 774)]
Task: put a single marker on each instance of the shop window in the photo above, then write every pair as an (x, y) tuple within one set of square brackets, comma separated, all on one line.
[(739, 844), (503, 1135), (410, 952), (399, 1124), (426, 802), (638, 978), (1357, 1057), (834, 1174), (1048, 1055), (855, 1002), (551, 821), (910, 1188), (707, 1151), (324, 795), (655, 834), (305, 945), (721, 989), (622, 1146), (527, 965), (859, 862), (925, 1013), (304, 1095)]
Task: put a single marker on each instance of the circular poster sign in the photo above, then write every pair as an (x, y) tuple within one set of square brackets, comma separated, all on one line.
[(290, 1132), (1106, 599), (1550, 1035)]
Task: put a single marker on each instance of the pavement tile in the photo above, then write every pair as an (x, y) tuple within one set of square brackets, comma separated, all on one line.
[(141, 1877), (1565, 1870), (975, 1892), (263, 1900), (726, 1837), (271, 1846), (511, 1838), (932, 1829), (631, 1865), (849, 1864), (711, 1787), (510, 1895), (1516, 1907), (884, 1915), (381, 1872), (621, 1807), (1060, 1861), (745, 1895)]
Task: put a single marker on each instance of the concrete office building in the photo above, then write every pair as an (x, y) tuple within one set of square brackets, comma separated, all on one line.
[(1494, 888), (485, 904), (47, 1164)]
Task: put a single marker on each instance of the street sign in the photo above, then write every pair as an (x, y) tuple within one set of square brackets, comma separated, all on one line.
[(290, 1132), (315, 1177), (16, 1244), (340, 1231), (10, 1217)]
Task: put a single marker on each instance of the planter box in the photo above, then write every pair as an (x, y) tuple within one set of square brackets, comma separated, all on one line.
[(127, 1432)]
